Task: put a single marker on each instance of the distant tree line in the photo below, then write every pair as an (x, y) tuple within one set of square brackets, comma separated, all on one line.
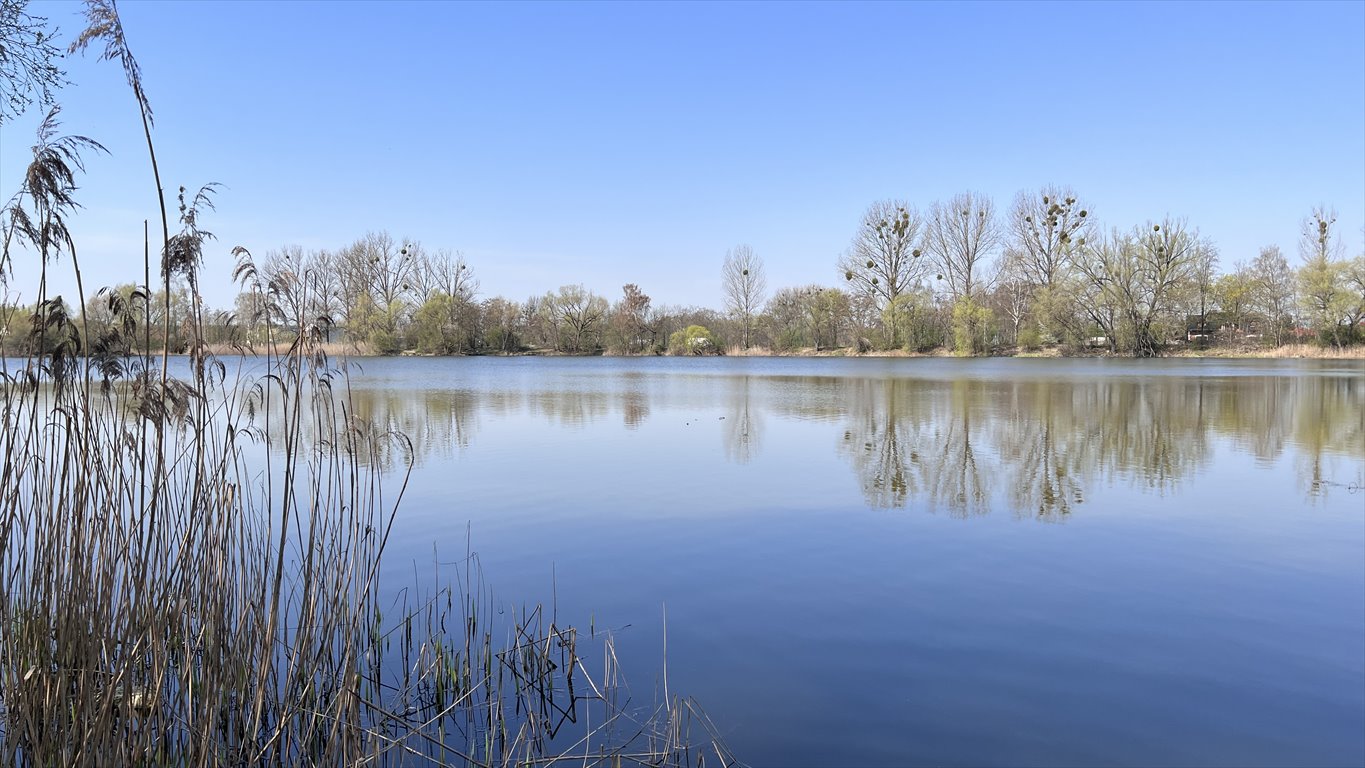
[(956, 275)]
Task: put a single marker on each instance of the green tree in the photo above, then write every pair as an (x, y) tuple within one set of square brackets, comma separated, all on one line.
[(431, 329), (914, 319), (694, 340), (1322, 278), (785, 317), (1233, 293), (972, 327), (1354, 277), (502, 326), (830, 313), (1324, 300)]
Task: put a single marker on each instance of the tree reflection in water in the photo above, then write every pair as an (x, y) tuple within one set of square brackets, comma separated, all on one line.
[(1048, 441), (882, 426), (1034, 446), (744, 426)]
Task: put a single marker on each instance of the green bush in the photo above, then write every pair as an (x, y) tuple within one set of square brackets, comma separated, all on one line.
[(1030, 340), (696, 340)]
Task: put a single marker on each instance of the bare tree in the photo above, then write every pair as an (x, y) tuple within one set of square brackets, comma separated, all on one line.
[(1318, 239), (744, 288), (444, 290), (283, 273), (377, 278), (809, 316), (446, 272), (960, 235), (27, 60), (323, 280), (537, 318), (1273, 291), (1134, 281), (1170, 257), (632, 329), (292, 289), (580, 314), (1012, 290), (1202, 281), (1105, 272), (884, 260), (390, 269), (1048, 227)]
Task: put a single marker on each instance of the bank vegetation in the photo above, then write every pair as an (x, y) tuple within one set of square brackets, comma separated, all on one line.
[(959, 278)]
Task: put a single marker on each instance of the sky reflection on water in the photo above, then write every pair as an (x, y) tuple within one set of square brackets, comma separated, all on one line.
[(851, 556)]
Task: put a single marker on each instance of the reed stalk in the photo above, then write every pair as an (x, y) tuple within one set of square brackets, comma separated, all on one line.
[(190, 557)]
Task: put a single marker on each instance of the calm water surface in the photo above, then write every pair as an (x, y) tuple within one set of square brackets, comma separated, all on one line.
[(925, 561)]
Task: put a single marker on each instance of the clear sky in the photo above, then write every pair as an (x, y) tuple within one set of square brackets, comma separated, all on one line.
[(618, 142)]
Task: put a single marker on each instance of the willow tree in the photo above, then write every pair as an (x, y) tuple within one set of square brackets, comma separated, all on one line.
[(445, 286)]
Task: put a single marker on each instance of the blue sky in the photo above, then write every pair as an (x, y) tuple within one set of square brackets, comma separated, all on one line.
[(610, 143)]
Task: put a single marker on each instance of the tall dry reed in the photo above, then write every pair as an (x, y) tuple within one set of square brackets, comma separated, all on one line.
[(228, 610), (190, 558)]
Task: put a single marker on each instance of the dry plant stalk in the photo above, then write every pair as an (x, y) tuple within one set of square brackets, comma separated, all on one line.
[(234, 617), (189, 563)]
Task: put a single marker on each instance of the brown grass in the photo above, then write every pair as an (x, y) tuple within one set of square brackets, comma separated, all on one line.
[(1307, 351), (335, 349)]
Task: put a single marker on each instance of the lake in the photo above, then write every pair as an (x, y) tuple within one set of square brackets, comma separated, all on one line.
[(923, 561)]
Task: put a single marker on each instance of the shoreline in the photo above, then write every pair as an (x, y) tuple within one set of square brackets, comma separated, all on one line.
[(1284, 352)]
